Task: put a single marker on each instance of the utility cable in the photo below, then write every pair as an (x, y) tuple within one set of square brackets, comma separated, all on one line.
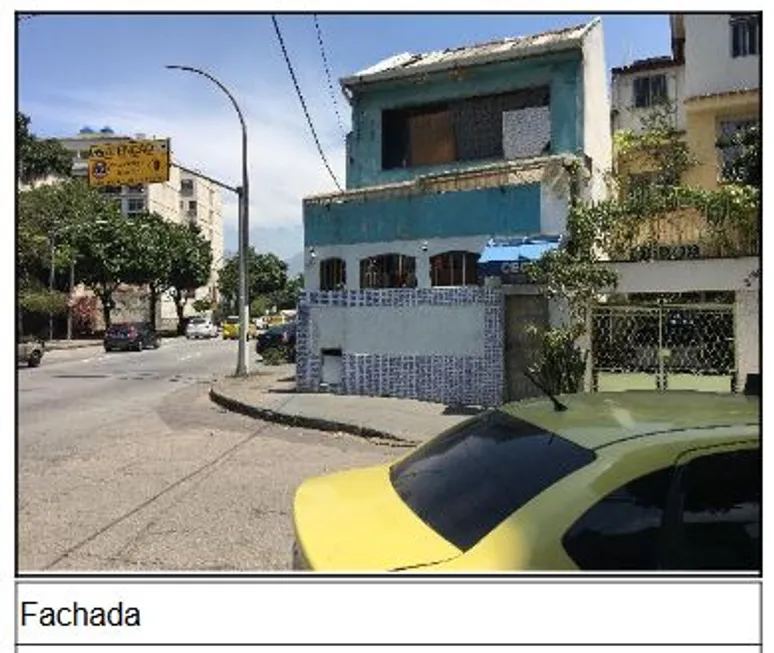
[(303, 102), (328, 75)]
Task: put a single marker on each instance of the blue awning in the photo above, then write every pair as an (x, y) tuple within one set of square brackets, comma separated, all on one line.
[(506, 256)]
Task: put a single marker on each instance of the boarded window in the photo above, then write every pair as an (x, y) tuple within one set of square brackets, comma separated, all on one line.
[(388, 271), (333, 274), (462, 130), (454, 269), (431, 136)]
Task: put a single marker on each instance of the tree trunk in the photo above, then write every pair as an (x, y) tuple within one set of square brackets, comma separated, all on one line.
[(153, 300), (106, 297), (179, 307)]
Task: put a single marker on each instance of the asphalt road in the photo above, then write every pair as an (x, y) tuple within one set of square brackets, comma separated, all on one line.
[(125, 465)]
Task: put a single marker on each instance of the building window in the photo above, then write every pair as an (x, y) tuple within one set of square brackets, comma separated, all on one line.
[(192, 209), (388, 271), (745, 35), (140, 189), (111, 190), (333, 274), (454, 269), (729, 150), (650, 90), (133, 205), (186, 186), (461, 130)]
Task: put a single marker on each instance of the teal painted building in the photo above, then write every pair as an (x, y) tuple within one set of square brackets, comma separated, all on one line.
[(448, 150)]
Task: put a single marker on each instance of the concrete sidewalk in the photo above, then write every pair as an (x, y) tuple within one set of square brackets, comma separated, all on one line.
[(270, 394)]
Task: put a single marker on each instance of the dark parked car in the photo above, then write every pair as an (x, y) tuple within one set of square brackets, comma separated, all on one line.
[(131, 335), (282, 336)]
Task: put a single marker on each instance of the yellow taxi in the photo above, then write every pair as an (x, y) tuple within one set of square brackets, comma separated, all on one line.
[(231, 328), (606, 481)]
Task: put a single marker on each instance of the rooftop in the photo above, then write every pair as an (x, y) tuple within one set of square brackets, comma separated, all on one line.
[(406, 64), (651, 63)]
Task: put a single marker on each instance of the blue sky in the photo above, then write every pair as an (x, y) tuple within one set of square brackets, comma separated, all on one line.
[(109, 70)]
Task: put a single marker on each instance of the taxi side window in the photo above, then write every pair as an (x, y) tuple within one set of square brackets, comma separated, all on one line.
[(623, 531), (720, 513)]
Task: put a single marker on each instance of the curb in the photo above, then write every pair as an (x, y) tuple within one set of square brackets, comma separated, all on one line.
[(317, 423), (76, 346)]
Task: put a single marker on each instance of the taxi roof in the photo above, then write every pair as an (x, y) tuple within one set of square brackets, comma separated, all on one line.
[(595, 420)]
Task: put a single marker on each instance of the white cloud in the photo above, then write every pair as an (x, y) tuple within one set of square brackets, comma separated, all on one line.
[(284, 165)]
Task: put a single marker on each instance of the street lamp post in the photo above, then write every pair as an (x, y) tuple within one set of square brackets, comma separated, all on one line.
[(244, 221)]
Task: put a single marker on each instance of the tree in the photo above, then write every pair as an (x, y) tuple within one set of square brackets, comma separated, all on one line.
[(191, 265), (106, 254), (287, 296), (37, 159), (153, 240), (46, 219), (266, 274)]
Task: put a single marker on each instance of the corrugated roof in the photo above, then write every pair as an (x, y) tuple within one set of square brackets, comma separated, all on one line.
[(405, 64)]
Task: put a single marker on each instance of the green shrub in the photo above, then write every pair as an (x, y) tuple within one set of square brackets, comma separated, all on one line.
[(275, 356)]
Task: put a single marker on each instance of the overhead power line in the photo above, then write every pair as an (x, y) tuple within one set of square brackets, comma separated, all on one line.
[(328, 75), (303, 102)]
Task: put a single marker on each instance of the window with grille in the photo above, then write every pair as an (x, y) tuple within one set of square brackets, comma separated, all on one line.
[(745, 35), (388, 271), (729, 149), (454, 269), (333, 274), (135, 205), (650, 90)]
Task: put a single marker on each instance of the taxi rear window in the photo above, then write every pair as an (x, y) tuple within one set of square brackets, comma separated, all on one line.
[(469, 479)]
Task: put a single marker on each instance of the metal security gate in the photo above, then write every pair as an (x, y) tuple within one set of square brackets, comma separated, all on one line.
[(522, 348), (663, 347)]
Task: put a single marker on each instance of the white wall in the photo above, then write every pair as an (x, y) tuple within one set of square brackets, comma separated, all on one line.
[(629, 117), (405, 330), (597, 142), (710, 68), (746, 328), (352, 254), (685, 276)]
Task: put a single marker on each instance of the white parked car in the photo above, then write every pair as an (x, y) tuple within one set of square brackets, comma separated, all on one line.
[(201, 327)]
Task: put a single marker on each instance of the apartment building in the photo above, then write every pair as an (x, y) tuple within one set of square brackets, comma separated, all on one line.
[(711, 79), (711, 84), (185, 198)]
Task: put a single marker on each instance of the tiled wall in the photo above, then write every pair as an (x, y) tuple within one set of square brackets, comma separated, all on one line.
[(450, 379)]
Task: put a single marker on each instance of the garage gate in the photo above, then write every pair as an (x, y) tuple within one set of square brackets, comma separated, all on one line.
[(663, 347)]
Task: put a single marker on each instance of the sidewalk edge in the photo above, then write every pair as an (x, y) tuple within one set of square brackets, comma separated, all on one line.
[(318, 423)]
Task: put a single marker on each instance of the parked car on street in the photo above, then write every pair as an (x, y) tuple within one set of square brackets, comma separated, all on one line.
[(131, 335), (282, 336), (30, 352), (231, 328), (200, 327), (634, 481)]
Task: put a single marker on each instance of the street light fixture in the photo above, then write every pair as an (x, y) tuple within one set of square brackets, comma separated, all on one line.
[(244, 221)]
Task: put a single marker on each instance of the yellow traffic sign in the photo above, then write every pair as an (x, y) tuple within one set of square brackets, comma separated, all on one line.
[(129, 163)]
